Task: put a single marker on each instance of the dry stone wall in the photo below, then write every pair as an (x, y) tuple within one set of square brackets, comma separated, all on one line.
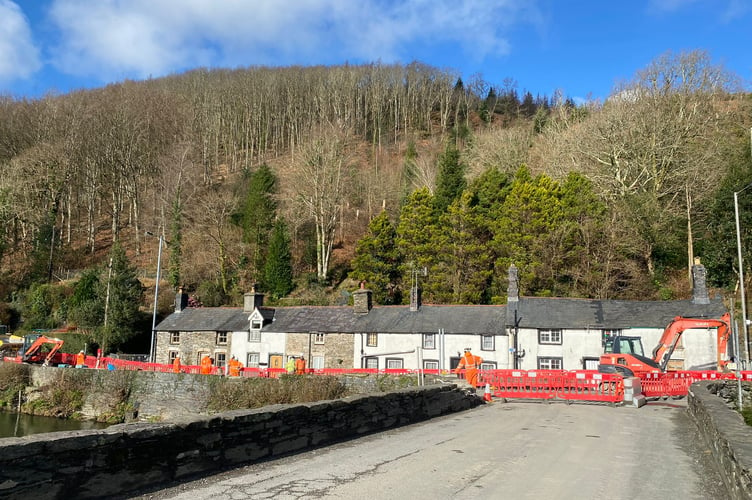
[(128, 458), (725, 433)]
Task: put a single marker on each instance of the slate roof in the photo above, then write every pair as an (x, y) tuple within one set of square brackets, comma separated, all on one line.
[(206, 319), (429, 318), (533, 312), (305, 319), (548, 312)]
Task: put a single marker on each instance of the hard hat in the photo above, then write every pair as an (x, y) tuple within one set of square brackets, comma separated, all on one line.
[(467, 349)]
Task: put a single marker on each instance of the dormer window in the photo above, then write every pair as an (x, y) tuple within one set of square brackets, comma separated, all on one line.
[(255, 324)]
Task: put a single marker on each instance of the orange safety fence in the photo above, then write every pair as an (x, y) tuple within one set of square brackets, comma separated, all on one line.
[(672, 384), (580, 385)]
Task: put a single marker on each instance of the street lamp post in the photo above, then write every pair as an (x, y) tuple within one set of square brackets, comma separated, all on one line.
[(741, 271), (152, 354)]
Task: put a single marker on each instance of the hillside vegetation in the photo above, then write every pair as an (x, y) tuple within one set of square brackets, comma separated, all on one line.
[(296, 179)]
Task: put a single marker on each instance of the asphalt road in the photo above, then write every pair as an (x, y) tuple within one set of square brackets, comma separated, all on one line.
[(497, 451)]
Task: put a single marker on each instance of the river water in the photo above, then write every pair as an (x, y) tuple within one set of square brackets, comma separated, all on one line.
[(13, 424)]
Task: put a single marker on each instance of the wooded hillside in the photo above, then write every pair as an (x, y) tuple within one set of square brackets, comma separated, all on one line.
[(609, 199)]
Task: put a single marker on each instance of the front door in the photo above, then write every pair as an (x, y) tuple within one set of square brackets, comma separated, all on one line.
[(275, 361)]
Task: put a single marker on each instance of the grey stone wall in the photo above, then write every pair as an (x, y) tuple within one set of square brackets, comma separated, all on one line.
[(725, 433), (337, 348), (126, 458)]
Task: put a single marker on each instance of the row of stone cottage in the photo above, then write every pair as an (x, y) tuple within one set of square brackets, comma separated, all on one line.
[(527, 333)]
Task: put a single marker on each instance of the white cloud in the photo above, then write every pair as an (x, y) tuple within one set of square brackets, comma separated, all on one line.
[(19, 57), (137, 38)]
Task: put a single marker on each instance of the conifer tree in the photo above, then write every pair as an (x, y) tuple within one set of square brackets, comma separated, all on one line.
[(278, 280), (122, 299), (377, 261), (451, 178), (257, 214), (417, 240)]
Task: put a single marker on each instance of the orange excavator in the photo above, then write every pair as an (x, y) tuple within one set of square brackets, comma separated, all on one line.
[(41, 349), (624, 355)]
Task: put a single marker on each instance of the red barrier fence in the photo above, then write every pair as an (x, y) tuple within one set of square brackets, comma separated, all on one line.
[(581, 385)]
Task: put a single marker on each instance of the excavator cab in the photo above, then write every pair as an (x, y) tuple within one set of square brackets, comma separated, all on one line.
[(624, 355)]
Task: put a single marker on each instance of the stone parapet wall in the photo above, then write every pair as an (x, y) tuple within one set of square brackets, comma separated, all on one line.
[(726, 434), (126, 458)]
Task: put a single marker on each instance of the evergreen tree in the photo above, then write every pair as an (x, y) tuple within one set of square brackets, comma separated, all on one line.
[(451, 178), (122, 299), (278, 267), (377, 261), (86, 305), (468, 256), (257, 214), (417, 235), (175, 243)]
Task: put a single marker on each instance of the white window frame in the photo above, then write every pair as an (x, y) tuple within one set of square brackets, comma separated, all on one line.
[(319, 338), (317, 363), (394, 364), (220, 359), (254, 336), (256, 324), (371, 360), (429, 341), (222, 338), (550, 363), (550, 336), (174, 338), (430, 364), (172, 355), (488, 365), (372, 340), (253, 359), (487, 343)]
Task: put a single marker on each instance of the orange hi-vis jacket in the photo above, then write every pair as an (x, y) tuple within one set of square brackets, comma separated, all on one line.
[(206, 365), (176, 365), (469, 362)]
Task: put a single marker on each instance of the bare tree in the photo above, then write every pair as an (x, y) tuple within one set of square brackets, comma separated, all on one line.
[(319, 176)]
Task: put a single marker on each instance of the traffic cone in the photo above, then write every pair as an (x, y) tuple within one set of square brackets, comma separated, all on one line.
[(487, 394)]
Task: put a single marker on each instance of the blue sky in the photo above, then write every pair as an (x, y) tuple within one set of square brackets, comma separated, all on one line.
[(580, 47)]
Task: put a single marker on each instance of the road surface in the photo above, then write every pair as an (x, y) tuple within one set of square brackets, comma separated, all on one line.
[(518, 450)]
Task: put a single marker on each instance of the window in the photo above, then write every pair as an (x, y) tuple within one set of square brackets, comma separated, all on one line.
[(318, 338), (488, 365), (220, 359), (394, 363), (175, 338), (172, 355), (549, 336), (429, 341), (253, 360), (317, 362), (486, 342), (372, 363), (199, 356), (549, 363), (372, 340), (430, 364), (221, 338), (254, 336), (256, 324)]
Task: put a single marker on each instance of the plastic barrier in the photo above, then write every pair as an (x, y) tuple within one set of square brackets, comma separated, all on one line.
[(582, 385)]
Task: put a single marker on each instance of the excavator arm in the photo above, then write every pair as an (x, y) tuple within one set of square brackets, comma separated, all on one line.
[(34, 354), (673, 332)]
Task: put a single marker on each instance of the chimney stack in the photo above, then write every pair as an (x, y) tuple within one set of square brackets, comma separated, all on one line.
[(699, 284), (252, 300), (181, 300), (513, 292), (362, 299)]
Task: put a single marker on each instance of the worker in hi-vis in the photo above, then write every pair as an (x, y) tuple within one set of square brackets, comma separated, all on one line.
[(470, 364)]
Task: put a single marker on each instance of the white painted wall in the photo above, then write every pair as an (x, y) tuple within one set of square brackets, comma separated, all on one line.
[(271, 343), (396, 345), (699, 352)]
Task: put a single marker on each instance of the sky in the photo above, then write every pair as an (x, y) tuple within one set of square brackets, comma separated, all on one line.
[(581, 48)]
